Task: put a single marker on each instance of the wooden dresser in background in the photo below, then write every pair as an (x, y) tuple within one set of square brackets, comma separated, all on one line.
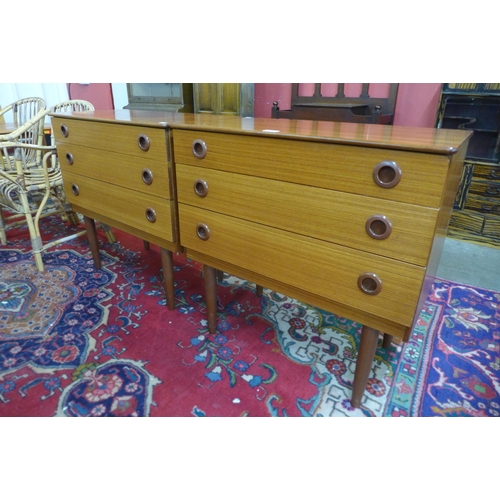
[(343, 216)]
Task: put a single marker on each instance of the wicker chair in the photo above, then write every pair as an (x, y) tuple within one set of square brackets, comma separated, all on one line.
[(23, 110), (28, 179)]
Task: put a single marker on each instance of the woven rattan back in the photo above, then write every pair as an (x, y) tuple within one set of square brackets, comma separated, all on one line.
[(73, 105), (24, 109)]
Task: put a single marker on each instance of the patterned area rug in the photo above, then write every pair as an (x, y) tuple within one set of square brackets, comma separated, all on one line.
[(79, 342)]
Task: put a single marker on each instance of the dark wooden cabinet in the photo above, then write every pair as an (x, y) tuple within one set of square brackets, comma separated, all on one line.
[(224, 98), (476, 107), (160, 97), (358, 108)]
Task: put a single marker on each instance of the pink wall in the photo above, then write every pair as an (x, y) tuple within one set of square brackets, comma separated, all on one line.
[(99, 94), (416, 104)]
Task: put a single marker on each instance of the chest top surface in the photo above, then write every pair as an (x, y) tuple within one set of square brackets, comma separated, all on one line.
[(429, 140)]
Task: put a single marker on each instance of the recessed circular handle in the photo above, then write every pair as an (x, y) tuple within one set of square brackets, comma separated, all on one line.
[(64, 130), (147, 176), (75, 189), (69, 158), (370, 283), (143, 141), (378, 227), (151, 214), (199, 148), (201, 188), (387, 174), (203, 232)]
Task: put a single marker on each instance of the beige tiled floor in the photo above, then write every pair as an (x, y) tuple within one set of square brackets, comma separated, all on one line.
[(471, 264)]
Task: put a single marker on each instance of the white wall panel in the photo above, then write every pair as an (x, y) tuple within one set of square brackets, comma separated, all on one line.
[(120, 95), (52, 93)]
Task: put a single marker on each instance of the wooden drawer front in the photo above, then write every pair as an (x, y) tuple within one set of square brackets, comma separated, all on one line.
[(115, 137), (124, 205), (330, 166), (487, 172), (486, 189), (116, 168), (319, 267), (483, 205), (320, 213)]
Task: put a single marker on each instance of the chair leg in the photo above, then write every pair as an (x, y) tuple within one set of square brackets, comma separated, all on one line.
[(34, 232), (36, 242), (39, 261), (109, 232), (3, 234), (73, 219), (68, 215)]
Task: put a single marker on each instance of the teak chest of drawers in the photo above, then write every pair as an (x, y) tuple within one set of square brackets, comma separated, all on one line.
[(121, 174), (347, 217)]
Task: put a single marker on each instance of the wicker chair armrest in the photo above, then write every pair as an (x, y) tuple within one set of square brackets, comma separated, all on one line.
[(23, 128), (16, 144), (7, 108)]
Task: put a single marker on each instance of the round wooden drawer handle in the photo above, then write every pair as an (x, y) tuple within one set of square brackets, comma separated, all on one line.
[(75, 189), (143, 142), (387, 174), (64, 130), (69, 158), (378, 227), (147, 176), (370, 283), (151, 214), (201, 188), (199, 148), (203, 232)]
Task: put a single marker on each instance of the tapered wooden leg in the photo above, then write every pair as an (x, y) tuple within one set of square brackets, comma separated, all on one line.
[(92, 238), (167, 264), (367, 348), (386, 343), (146, 244), (220, 276), (258, 290), (210, 275)]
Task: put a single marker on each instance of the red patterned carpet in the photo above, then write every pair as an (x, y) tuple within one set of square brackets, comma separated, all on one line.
[(79, 342)]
